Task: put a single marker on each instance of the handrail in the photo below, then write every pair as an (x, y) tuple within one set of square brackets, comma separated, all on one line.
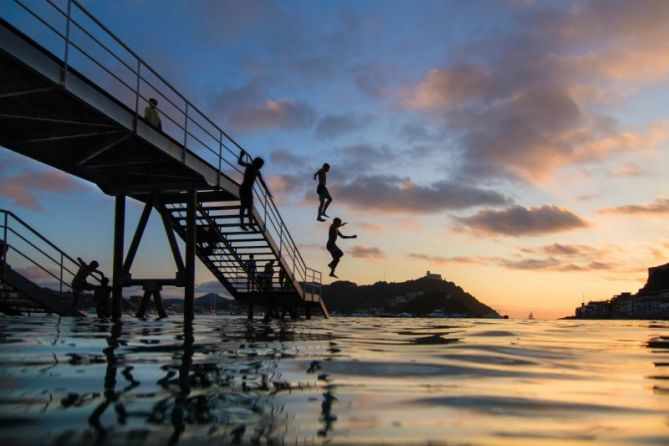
[(222, 147), (13, 227)]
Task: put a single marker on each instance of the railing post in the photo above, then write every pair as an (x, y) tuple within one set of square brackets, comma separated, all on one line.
[(118, 280), (137, 86), (5, 246), (220, 157), (183, 157), (61, 271), (66, 57)]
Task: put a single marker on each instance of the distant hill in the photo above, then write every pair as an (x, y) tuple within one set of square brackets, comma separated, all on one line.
[(420, 297)]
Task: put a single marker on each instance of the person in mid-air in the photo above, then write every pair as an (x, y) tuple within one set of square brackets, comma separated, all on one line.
[(246, 188), (323, 195), (332, 247)]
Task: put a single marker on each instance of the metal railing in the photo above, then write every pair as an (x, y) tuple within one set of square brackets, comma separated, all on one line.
[(131, 81), (31, 254)]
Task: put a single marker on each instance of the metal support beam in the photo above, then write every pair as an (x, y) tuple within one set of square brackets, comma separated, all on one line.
[(103, 149), (191, 239), (169, 232), (15, 94), (118, 279), (55, 120), (68, 137), (132, 250)]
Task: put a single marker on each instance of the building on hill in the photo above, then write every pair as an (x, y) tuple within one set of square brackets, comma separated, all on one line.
[(650, 302), (433, 276)]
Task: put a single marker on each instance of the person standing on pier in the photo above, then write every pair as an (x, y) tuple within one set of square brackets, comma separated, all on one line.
[(151, 114), (251, 172), (251, 270), (323, 195), (332, 247)]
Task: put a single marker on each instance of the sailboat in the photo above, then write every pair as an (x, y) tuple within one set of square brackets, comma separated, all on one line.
[(531, 316)]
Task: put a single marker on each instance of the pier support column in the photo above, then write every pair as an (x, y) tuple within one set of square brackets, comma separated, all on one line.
[(189, 297), (118, 279)]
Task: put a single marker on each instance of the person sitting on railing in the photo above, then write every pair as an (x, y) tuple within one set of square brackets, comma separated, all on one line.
[(246, 188), (331, 245), (324, 196), (151, 114), (79, 284)]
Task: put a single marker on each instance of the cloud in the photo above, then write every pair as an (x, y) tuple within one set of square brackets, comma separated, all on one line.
[(371, 79), (418, 132), (392, 194), (285, 184), (443, 87), (332, 126), (627, 170), (285, 158), (366, 252), (437, 260), (527, 102), (659, 207), (282, 114), (520, 221), (567, 250), (374, 227), (35, 273), (27, 187)]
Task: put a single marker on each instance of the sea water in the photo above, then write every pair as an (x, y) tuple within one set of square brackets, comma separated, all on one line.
[(224, 380)]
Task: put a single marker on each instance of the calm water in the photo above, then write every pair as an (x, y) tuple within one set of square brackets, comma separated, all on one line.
[(342, 381)]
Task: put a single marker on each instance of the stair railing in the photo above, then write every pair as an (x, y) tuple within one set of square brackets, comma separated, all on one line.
[(90, 48), (31, 254)]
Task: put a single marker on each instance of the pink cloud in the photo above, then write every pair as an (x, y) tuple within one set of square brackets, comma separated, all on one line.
[(443, 87), (658, 207), (519, 221), (284, 114), (366, 252), (26, 187)]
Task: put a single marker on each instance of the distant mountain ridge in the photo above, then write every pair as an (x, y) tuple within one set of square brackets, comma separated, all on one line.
[(426, 296)]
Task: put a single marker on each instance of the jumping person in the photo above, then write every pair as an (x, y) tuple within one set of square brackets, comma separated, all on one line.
[(79, 284), (323, 195), (246, 188), (332, 247)]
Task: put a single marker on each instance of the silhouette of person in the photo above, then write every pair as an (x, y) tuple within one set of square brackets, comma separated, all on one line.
[(151, 114), (251, 172), (251, 268), (323, 195), (102, 300), (79, 284), (282, 277), (269, 274), (4, 247), (207, 238), (332, 247)]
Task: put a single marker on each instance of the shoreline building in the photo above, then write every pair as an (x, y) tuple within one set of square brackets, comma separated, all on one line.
[(650, 302)]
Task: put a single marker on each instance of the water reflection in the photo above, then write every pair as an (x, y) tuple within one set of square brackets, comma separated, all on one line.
[(228, 381)]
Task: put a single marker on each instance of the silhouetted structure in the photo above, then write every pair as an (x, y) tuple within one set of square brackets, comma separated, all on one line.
[(650, 302)]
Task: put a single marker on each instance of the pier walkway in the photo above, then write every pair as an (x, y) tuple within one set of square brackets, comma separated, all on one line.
[(72, 95)]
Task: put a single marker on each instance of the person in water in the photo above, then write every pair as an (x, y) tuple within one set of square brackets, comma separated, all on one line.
[(324, 196), (332, 247), (79, 284), (251, 172)]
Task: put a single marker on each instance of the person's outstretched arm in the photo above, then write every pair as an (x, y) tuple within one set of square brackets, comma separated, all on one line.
[(346, 236), (316, 174), (241, 161)]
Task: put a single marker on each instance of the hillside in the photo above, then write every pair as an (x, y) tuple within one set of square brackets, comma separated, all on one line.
[(419, 297)]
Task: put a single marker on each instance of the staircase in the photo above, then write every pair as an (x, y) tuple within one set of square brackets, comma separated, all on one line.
[(72, 95), (34, 258), (224, 248)]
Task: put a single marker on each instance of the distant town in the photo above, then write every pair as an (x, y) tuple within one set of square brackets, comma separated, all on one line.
[(650, 302)]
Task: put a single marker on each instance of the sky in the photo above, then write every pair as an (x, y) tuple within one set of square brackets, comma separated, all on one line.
[(517, 148)]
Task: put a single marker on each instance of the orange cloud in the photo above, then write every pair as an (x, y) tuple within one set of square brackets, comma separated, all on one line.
[(366, 252), (659, 207), (443, 87), (26, 187)]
